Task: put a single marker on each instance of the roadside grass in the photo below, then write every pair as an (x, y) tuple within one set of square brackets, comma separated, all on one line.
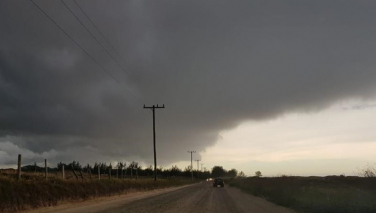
[(33, 191), (330, 194)]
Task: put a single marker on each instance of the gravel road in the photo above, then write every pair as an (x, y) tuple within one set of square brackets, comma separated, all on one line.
[(196, 198)]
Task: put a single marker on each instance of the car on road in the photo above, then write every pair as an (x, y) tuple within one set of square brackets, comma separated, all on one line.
[(218, 182)]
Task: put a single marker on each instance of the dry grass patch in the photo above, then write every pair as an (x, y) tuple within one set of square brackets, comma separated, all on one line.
[(331, 194), (34, 191)]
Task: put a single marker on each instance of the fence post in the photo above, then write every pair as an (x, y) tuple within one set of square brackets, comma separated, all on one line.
[(63, 170), (82, 176), (19, 168), (74, 172), (89, 170), (45, 166), (99, 173)]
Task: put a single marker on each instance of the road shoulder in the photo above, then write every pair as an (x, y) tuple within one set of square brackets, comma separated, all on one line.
[(103, 203), (249, 203)]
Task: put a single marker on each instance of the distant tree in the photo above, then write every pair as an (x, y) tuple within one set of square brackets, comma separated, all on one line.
[(60, 166), (368, 171), (175, 171), (188, 168), (241, 175), (109, 168), (218, 171), (159, 170), (74, 165), (133, 166), (95, 167), (34, 168), (149, 170), (232, 173), (258, 174), (206, 174), (120, 166), (103, 168), (164, 172), (87, 168), (187, 171)]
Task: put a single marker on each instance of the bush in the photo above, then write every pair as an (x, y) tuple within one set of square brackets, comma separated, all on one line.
[(368, 171)]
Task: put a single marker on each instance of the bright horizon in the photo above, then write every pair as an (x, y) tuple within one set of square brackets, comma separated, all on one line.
[(335, 141)]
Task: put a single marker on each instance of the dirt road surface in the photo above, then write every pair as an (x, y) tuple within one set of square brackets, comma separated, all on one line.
[(197, 198)]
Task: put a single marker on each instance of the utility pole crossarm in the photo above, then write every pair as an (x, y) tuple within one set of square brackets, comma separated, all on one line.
[(154, 107)]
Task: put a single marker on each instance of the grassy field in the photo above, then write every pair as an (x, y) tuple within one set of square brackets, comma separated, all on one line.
[(333, 194), (34, 191)]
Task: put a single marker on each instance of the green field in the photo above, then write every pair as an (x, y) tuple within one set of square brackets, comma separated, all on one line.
[(332, 194)]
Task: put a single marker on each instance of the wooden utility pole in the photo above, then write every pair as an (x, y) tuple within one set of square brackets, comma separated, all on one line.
[(198, 173), (191, 163), (155, 150), (202, 174)]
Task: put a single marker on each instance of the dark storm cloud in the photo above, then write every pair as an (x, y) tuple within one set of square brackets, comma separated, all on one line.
[(213, 64)]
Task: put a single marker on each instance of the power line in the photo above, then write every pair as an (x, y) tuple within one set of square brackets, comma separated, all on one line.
[(70, 37), (78, 19), (74, 41), (104, 37)]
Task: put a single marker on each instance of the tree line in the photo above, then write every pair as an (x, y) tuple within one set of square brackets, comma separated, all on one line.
[(133, 169)]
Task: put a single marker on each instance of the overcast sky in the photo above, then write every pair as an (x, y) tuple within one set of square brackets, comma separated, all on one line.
[(238, 80)]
